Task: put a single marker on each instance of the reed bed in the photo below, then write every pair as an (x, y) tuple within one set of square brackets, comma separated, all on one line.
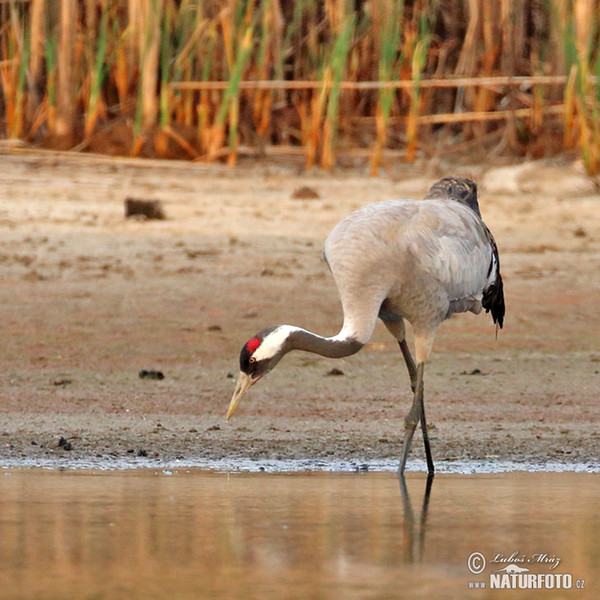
[(205, 80)]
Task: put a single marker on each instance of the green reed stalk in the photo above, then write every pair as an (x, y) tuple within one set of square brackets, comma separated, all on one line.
[(186, 33), (336, 67), (165, 70), (232, 90), (581, 96), (589, 114), (98, 73), (50, 52), (231, 95), (21, 81), (388, 70), (419, 59)]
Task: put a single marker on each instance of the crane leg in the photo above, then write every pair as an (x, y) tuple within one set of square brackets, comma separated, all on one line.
[(416, 414), (412, 372), (410, 364), (430, 467)]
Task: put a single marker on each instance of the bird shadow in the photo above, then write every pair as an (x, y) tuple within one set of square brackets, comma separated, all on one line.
[(414, 535)]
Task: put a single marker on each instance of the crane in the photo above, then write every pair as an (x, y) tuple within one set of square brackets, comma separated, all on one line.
[(419, 261)]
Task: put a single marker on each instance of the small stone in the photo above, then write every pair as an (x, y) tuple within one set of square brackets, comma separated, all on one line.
[(335, 372), (140, 207), (305, 193), (151, 374), (473, 372), (65, 444)]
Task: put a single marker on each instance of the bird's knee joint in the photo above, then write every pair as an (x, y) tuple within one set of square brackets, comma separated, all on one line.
[(410, 423)]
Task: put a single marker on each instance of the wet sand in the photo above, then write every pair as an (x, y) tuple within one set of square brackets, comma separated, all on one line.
[(88, 299)]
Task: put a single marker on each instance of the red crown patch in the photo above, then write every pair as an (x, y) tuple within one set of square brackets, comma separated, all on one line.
[(252, 345)]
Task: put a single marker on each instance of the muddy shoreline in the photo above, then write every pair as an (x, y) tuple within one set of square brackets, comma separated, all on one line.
[(89, 298)]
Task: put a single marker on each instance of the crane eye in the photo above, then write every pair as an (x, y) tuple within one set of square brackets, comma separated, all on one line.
[(252, 359)]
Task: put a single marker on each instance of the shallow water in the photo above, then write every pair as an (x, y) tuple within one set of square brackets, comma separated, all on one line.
[(462, 467), (196, 534)]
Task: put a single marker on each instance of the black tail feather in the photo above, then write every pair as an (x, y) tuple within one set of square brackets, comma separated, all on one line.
[(465, 191), (493, 300)]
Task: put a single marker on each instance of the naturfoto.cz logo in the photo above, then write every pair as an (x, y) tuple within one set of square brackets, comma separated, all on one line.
[(513, 572)]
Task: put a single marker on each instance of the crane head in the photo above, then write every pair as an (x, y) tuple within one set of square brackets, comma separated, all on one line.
[(258, 356), (461, 189)]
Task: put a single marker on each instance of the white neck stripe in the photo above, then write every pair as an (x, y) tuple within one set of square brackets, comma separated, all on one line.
[(273, 342)]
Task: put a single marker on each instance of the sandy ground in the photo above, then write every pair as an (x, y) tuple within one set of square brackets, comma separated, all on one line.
[(88, 299)]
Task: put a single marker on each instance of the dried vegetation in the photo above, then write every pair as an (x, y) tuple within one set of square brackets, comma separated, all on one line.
[(376, 78)]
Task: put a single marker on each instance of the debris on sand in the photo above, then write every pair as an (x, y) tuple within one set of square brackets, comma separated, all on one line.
[(335, 372), (65, 444), (151, 374), (305, 193), (147, 209), (475, 371)]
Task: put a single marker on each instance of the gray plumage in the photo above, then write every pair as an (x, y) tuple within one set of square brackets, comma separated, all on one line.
[(414, 260), (419, 260)]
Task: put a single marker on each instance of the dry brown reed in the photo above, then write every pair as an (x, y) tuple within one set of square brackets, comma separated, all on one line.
[(202, 80)]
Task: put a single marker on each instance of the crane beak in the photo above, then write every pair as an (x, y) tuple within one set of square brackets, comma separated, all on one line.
[(243, 384)]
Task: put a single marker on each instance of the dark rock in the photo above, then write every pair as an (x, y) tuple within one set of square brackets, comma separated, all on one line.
[(140, 207), (65, 444), (150, 374), (335, 372), (473, 372), (305, 193)]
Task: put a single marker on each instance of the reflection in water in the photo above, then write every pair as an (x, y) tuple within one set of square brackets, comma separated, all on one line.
[(409, 517), (148, 534)]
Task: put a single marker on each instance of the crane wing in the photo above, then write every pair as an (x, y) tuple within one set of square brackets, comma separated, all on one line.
[(428, 259)]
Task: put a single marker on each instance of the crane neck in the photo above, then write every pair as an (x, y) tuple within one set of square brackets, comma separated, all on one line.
[(338, 346)]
